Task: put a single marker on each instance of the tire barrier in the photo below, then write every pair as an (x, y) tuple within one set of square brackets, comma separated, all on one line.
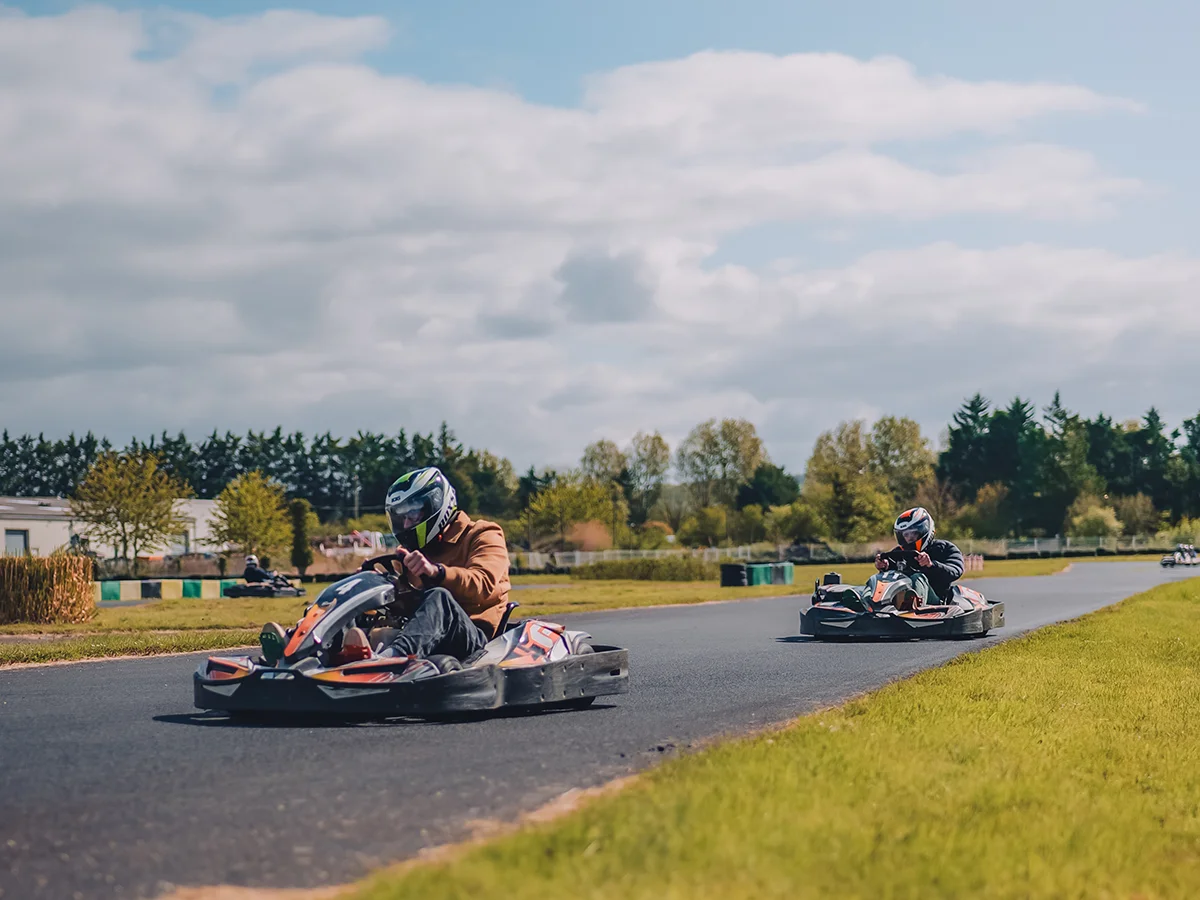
[(128, 590), (751, 574)]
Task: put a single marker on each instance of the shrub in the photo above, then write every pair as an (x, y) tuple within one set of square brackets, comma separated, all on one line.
[(671, 568), (46, 590)]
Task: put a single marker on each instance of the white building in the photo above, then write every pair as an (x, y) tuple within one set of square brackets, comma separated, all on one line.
[(40, 525)]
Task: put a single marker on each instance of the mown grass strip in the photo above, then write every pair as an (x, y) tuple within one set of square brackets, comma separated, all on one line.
[(141, 643), (1062, 764)]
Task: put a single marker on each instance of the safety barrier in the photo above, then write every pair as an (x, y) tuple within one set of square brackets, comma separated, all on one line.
[(127, 590)]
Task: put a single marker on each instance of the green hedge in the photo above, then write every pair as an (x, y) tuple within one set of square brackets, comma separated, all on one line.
[(673, 568)]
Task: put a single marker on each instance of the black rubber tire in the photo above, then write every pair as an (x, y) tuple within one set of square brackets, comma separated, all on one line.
[(583, 648), (446, 663)]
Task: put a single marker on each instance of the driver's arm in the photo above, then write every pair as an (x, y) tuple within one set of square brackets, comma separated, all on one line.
[(474, 584)]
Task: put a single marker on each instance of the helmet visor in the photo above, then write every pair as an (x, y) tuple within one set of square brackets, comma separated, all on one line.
[(911, 538), (412, 511)]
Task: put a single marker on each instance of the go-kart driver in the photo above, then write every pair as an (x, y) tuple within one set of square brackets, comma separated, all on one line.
[(256, 574), (931, 564), (457, 567)]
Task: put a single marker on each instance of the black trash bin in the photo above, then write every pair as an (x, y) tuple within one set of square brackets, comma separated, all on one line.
[(733, 575)]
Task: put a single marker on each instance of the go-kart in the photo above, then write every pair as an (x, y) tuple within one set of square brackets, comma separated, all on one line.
[(885, 608), (1183, 556), (527, 664), (278, 586)]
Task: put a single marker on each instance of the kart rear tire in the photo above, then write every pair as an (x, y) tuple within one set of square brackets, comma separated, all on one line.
[(583, 648), (446, 663)]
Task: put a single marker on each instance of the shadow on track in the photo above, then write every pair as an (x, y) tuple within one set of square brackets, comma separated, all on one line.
[(214, 719)]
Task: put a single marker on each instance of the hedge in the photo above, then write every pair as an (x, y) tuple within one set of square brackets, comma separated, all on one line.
[(671, 568), (46, 589)]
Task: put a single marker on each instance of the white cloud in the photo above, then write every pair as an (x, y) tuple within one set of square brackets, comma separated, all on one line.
[(235, 222)]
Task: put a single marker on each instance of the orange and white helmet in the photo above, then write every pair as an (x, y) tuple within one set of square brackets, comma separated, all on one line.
[(914, 529)]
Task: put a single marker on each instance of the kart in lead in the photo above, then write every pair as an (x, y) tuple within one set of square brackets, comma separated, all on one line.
[(528, 664), (884, 608)]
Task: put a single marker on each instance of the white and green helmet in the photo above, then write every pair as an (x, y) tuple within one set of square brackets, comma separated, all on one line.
[(419, 505)]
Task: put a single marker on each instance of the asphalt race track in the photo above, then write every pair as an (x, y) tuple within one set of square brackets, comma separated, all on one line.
[(112, 785)]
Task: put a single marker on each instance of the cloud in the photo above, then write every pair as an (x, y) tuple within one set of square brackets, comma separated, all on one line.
[(236, 221)]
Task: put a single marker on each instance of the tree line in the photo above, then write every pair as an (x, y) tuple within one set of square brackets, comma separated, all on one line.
[(1001, 471)]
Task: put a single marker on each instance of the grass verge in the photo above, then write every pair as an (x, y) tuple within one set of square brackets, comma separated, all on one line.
[(128, 643), (208, 624), (1061, 764)]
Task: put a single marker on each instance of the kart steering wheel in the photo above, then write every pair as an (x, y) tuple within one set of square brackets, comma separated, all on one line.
[(389, 561)]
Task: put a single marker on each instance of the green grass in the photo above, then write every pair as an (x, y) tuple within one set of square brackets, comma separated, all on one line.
[(1062, 764), (224, 622), (137, 643)]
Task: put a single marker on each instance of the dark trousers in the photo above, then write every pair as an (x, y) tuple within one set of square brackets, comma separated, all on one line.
[(439, 625)]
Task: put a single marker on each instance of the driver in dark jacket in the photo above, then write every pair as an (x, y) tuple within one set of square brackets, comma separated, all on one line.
[(932, 565), (254, 573)]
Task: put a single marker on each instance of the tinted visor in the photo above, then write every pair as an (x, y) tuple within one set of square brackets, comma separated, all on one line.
[(409, 513)]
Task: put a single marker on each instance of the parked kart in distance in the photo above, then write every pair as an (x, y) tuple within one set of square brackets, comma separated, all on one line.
[(528, 664), (882, 609), (276, 587)]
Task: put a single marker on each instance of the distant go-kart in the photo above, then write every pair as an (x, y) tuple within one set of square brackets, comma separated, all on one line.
[(1183, 556), (528, 664), (276, 587), (882, 608)]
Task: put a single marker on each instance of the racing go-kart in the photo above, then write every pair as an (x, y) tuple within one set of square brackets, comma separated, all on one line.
[(1184, 555), (884, 608), (527, 664), (278, 586)]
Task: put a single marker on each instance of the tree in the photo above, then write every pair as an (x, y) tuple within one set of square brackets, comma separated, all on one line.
[(770, 486), (127, 502), (647, 461), (603, 461), (902, 456), (843, 487), (708, 527), (1137, 514), (300, 513), (988, 515), (715, 459), (251, 515), (570, 500), (1089, 517), (796, 523)]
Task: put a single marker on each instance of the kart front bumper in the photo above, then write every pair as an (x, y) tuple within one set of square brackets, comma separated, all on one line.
[(475, 689), (828, 623)]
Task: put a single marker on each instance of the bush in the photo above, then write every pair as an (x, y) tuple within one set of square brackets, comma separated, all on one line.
[(45, 590), (672, 568)]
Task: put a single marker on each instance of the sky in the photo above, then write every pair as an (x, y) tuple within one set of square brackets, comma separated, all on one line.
[(548, 223)]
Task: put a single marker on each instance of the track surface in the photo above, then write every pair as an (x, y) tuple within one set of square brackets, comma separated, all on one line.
[(111, 785)]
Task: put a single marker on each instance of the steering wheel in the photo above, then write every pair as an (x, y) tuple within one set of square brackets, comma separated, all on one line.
[(389, 561)]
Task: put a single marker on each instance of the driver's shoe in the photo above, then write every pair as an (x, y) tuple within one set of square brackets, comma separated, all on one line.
[(354, 646), (273, 640)]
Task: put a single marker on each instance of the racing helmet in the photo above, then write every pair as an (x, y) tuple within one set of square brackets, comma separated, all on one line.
[(252, 560), (419, 505), (914, 529)]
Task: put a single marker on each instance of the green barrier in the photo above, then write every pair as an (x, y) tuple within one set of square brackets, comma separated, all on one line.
[(110, 590), (758, 574), (192, 589), (227, 583)]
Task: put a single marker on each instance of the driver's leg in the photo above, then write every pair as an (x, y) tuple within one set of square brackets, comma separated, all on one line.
[(439, 625), (922, 589)]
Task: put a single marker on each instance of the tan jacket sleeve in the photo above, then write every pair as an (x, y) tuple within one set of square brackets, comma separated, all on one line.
[(474, 583)]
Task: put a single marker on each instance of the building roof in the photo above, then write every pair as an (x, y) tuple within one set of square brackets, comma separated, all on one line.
[(53, 508)]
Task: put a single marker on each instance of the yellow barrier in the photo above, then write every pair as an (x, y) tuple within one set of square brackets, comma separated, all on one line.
[(131, 590), (210, 589), (172, 589)]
